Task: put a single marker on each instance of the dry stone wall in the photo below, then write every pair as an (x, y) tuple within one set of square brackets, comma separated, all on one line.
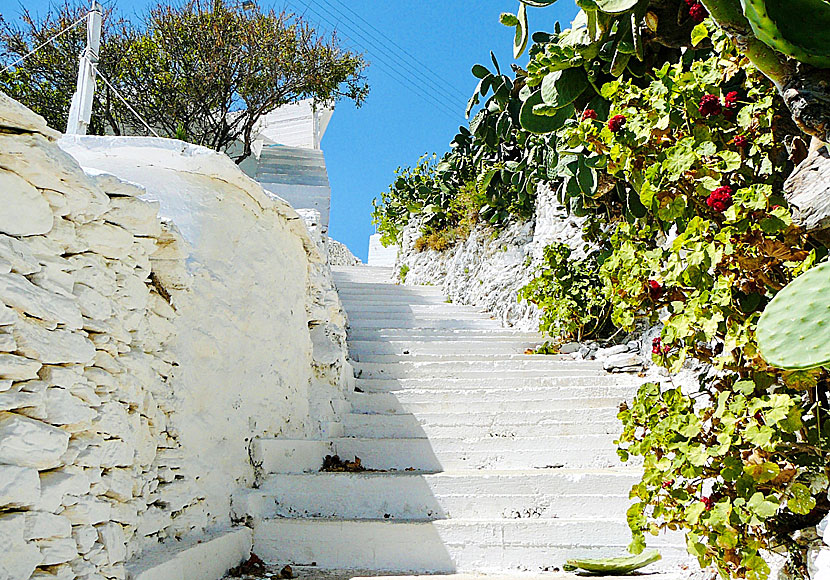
[(158, 311), (488, 268)]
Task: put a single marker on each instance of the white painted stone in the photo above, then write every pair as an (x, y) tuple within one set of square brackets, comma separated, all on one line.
[(135, 215), (19, 486), (54, 278), (106, 239), (57, 551), (18, 558), (111, 453), (30, 443), (63, 233), (207, 560), (18, 292), (63, 408), (113, 185), (13, 115), (92, 303), (7, 315), (85, 537), (133, 294), (119, 484), (7, 343), (11, 400), (52, 346), (45, 166), (56, 485), (18, 255), (92, 271), (25, 211), (818, 563), (43, 525), (18, 368), (822, 529), (88, 510), (111, 535), (57, 201)]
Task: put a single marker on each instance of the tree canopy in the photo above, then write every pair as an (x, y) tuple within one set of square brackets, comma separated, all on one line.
[(204, 71)]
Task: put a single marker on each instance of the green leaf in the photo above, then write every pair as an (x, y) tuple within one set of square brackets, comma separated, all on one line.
[(699, 32), (480, 71), (679, 159), (732, 160), (802, 502), (761, 506), (562, 87), (732, 469), (509, 19), (694, 511), (763, 472), (542, 124)]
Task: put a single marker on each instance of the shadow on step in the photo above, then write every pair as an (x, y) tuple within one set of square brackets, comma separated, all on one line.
[(473, 456)]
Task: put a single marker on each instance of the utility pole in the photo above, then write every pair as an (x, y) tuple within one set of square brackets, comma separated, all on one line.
[(80, 111)]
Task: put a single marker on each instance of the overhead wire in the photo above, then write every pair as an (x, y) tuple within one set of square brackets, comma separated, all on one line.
[(117, 94), (389, 69), (41, 45), (421, 69)]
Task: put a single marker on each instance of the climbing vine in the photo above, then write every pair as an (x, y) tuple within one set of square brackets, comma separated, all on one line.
[(651, 125)]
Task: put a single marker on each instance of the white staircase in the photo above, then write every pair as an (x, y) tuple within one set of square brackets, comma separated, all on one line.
[(487, 459)]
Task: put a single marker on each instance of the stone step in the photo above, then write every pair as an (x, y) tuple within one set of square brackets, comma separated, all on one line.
[(482, 424), (393, 322), (563, 382), (446, 545), (422, 497), (349, 300), (364, 308), (495, 369), (362, 348), (494, 357), (441, 335), (442, 454), (425, 401), (418, 316), (370, 289)]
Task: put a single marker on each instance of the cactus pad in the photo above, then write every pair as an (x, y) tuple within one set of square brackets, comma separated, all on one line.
[(796, 28), (542, 124), (794, 330), (612, 566)]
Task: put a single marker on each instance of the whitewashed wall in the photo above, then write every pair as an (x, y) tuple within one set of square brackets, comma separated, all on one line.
[(156, 314), (488, 269)]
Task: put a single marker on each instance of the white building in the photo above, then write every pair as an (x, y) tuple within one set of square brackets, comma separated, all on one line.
[(288, 161)]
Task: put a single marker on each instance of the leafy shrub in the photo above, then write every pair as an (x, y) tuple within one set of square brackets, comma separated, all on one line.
[(569, 294), (705, 243)]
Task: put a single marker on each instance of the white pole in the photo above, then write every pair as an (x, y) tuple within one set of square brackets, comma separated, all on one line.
[(80, 111)]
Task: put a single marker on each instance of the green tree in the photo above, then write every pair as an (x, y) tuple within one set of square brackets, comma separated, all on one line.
[(203, 70), (45, 81)]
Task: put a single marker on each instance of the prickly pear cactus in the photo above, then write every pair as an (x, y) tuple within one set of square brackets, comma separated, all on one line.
[(794, 330), (797, 28), (612, 566)]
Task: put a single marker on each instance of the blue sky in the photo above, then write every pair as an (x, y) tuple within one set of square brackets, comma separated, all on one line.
[(428, 43)]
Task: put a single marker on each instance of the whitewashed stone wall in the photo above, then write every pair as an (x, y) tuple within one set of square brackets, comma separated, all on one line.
[(341, 255), (139, 354), (488, 269)]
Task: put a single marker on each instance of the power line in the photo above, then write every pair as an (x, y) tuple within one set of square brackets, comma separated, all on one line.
[(117, 94), (421, 69), (37, 48), (393, 72)]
